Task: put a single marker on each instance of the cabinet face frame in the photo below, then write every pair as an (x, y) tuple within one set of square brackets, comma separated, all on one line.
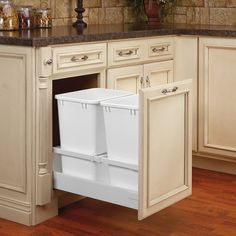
[(43, 94), (186, 67), (178, 190), (205, 45)]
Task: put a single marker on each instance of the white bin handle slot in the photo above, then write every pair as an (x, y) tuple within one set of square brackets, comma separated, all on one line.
[(84, 105), (133, 112), (107, 109), (61, 102)]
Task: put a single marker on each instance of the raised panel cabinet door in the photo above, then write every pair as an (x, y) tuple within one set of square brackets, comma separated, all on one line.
[(16, 132), (186, 67), (158, 73), (165, 168), (217, 110), (126, 78)]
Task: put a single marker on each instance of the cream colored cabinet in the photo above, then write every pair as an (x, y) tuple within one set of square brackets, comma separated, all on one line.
[(186, 67), (86, 57), (165, 155), (217, 96), (158, 73), (17, 116), (128, 78), (153, 56), (139, 51), (133, 78), (26, 134)]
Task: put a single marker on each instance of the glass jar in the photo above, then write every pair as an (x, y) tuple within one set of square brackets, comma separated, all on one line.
[(43, 18), (8, 16), (26, 17)]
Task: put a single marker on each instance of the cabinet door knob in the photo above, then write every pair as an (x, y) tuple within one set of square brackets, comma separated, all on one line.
[(165, 91), (48, 62)]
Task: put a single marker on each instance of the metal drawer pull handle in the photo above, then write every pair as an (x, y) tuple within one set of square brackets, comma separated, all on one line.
[(142, 82), (122, 53), (162, 49), (76, 59), (165, 91), (148, 82)]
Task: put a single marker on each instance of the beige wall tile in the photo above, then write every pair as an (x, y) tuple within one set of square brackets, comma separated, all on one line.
[(114, 15), (182, 19), (220, 16), (117, 11)]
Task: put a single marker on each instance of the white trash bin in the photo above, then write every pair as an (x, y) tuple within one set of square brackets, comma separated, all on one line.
[(81, 120), (82, 166), (121, 125), (121, 174)]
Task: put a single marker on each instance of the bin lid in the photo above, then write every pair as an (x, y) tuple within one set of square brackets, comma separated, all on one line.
[(130, 102), (92, 96)]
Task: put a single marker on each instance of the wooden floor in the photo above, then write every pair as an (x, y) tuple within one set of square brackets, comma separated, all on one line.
[(210, 211)]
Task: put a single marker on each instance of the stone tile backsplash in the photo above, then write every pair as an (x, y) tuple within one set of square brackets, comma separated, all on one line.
[(117, 11), (214, 12)]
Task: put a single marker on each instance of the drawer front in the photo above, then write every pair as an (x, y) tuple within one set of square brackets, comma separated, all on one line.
[(126, 52), (79, 57), (161, 48)]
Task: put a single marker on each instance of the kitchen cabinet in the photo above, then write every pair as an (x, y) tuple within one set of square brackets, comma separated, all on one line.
[(133, 78), (154, 57), (165, 154), (30, 126), (17, 99), (139, 51), (217, 110), (129, 78), (186, 67)]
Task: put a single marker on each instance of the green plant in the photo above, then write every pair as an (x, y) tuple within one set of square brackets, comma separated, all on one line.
[(138, 7)]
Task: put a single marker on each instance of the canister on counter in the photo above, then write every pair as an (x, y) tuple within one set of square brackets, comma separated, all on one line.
[(26, 17), (8, 16), (43, 18)]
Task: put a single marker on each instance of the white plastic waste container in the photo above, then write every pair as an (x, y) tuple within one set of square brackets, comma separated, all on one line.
[(81, 119), (97, 168), (121, 125), (121, 174), (82, 166)]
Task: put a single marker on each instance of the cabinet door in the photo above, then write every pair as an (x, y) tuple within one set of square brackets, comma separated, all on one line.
[(126, 78), (186, 67), (158, 73), (165, 146), (217, 83), (17, 86)]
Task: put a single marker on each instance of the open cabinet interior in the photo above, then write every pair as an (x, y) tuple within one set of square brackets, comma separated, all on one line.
[(69, 85), (162, 174)]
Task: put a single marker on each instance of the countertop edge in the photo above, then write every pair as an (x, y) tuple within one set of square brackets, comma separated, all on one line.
[(43, 41)]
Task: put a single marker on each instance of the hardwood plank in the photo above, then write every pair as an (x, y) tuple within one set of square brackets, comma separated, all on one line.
[(210, 211)]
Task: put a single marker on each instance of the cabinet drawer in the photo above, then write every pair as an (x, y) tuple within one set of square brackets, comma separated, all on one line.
[(161, 48), (126, 52), (163, 121), (79, 57)]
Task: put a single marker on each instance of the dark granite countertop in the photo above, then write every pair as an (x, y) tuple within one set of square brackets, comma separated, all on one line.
[(67, 34)]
